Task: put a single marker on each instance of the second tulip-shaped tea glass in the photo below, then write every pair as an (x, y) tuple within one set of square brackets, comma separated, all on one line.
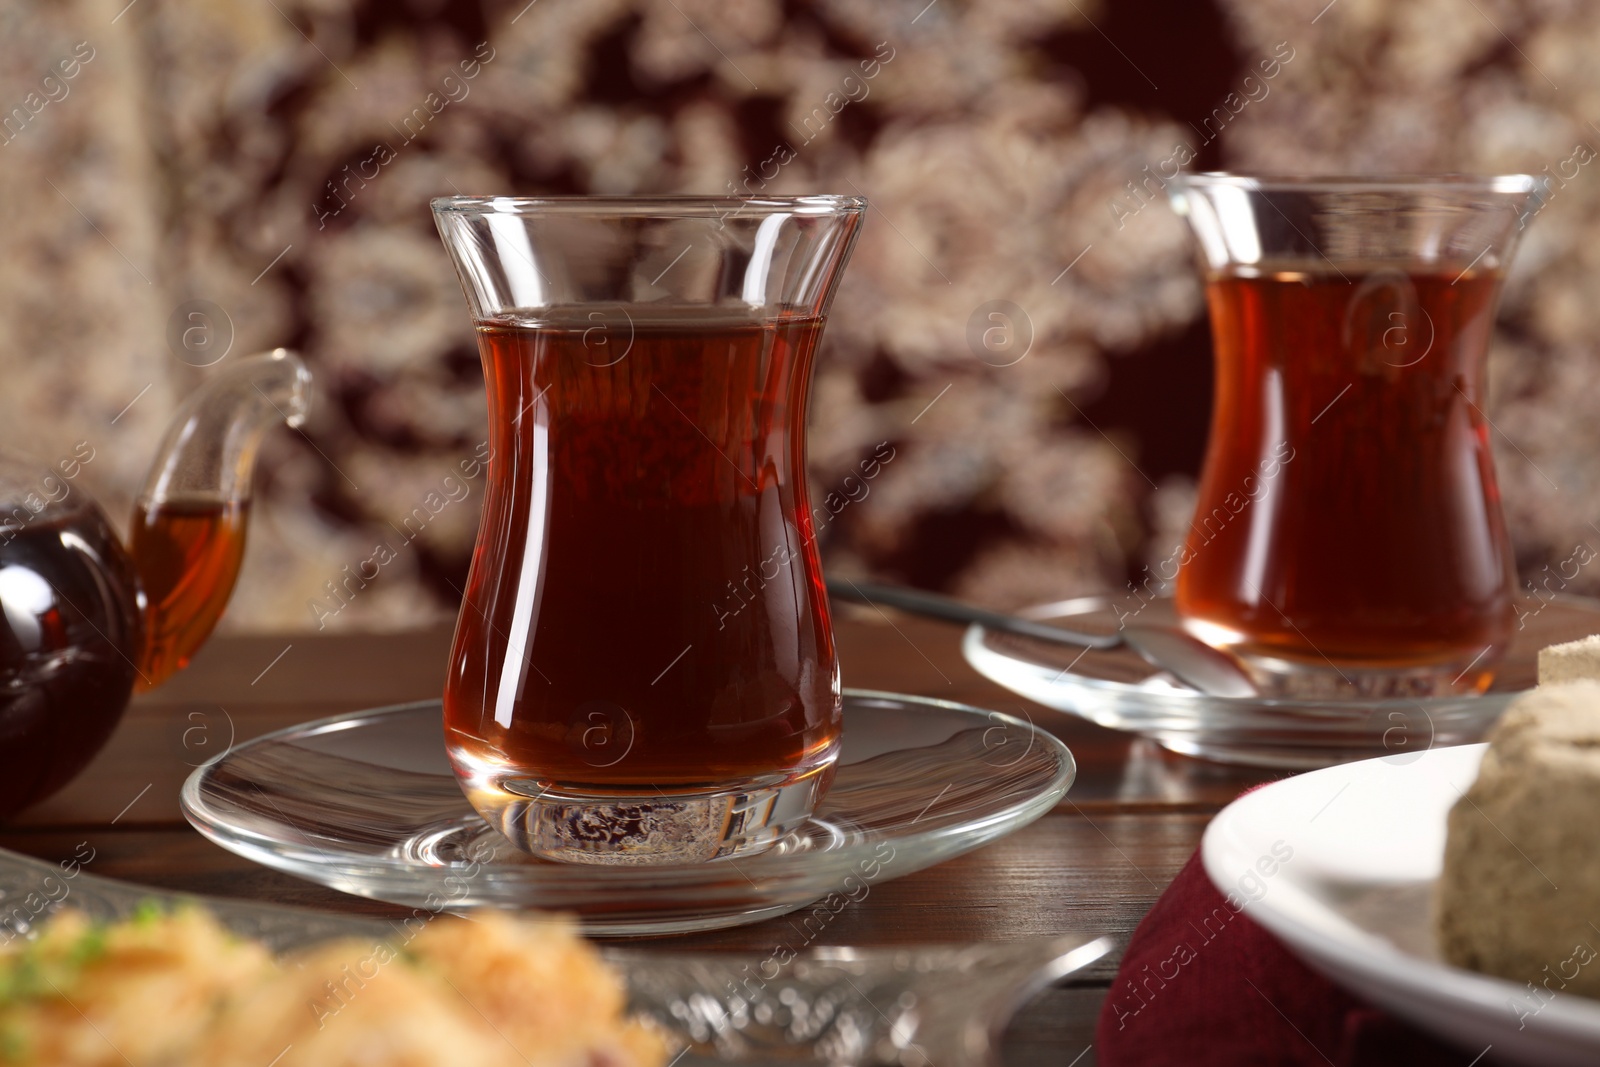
[(1348, 541), (643, 670)]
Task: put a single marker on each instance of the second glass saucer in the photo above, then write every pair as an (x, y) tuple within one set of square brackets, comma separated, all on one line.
[(367, 803), (1119, 690)]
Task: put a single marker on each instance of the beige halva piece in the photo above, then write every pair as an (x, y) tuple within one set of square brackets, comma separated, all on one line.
[(1571, 662), (1519, 895)]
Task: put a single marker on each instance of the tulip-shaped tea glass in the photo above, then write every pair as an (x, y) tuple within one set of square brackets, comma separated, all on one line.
[(1348, 540), (644, 669)]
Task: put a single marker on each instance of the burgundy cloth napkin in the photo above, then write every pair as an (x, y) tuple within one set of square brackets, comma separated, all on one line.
[(1203, 985)]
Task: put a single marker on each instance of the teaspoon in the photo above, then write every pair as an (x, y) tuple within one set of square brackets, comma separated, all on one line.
[(1175, 651)]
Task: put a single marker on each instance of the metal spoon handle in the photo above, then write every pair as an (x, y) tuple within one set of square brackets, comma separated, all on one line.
[(942, 607)]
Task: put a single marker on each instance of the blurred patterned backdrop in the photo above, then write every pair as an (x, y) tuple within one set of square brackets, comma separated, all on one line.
[(183, 178)]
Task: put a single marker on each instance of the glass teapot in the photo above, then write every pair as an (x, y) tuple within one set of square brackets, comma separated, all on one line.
[(85, 620)]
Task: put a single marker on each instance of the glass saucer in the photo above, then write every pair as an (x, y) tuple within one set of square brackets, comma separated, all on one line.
[(366, 803), (1120, 690)]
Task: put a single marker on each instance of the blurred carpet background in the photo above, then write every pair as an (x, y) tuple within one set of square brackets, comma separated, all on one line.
[(181, 179)]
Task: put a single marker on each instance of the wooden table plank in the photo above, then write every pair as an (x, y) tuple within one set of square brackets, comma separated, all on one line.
[(1096, 863), (166, 734), (1056, 1029), (1062, 874)]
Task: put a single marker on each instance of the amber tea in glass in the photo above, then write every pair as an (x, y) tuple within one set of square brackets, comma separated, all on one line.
[(1348, 540), (644, 670)]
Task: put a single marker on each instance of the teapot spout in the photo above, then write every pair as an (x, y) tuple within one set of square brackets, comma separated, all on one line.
[(188, 530)]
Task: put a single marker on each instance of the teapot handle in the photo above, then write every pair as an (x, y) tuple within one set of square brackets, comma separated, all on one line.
[(210, 449)]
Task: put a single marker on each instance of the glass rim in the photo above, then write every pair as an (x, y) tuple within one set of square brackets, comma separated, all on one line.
[(664, 206), (1366, 183)]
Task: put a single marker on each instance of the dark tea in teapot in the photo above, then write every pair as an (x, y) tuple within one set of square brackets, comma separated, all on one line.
[(69, 642), (84, 620)]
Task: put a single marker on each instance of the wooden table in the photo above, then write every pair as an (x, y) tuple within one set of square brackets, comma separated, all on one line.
[(1096, 863)]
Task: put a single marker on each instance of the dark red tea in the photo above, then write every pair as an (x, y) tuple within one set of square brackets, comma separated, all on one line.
[(187, 552), (1342, 511), (69, 639), (643, 603), (73, 640)]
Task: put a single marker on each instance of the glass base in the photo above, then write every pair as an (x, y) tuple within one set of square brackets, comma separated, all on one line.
[(1284, 678), (643, 824)]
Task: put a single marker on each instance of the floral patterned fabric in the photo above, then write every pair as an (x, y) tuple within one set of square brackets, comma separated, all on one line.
[(217, 178)]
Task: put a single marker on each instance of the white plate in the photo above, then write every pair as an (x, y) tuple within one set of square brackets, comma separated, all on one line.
[(1353, 899)]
